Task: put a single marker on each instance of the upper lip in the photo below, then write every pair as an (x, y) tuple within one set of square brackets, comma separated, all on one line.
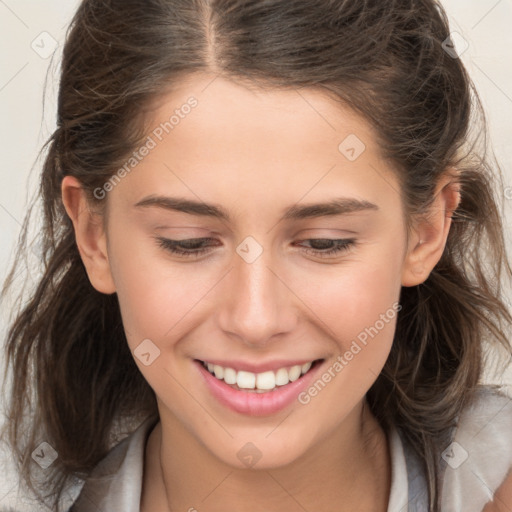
[(258, 367)]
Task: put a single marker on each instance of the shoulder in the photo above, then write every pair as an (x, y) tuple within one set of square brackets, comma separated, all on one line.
[(480, 454), (115, 483), (485, 426)]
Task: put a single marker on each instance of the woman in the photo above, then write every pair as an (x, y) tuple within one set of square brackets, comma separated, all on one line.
[(272, 256)]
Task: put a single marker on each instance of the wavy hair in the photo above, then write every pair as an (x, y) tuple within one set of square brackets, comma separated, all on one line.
[(74, 380)]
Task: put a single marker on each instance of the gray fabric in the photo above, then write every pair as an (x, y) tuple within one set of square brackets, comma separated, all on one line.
[(417, 482), (115, 484), (484, 430)]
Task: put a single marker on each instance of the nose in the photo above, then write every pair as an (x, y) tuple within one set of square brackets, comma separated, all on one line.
[(257, 305)]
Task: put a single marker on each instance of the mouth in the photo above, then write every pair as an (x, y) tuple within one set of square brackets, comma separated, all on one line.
[(262, 382), (257, 394)]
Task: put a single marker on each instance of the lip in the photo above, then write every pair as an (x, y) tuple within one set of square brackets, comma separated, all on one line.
[(259, 368), (257, 404)]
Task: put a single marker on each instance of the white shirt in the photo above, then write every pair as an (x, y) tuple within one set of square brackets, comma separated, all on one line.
[(474, 465)]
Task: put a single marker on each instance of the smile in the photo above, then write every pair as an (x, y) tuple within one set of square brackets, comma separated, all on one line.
[(260, 393), (258, 382)]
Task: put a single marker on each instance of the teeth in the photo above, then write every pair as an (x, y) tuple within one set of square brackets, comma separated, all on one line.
[(260, 382), (229, 376), (306, 367), (266, 380), (282, 377), (245, 380), (294, 373), (219, 371)]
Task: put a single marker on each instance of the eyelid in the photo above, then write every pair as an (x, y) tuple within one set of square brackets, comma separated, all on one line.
[(341, 246)]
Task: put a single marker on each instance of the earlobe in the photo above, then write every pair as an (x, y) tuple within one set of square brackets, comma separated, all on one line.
[(89, 234), (430, 233)]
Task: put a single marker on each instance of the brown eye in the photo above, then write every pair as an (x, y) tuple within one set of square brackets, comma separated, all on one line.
[(190, 247), (324, 247)]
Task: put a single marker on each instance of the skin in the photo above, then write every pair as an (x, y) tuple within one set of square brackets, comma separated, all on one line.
[(502, 499), (256, 152)]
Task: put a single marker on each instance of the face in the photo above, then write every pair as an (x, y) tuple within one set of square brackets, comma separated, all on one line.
[(277, 282)]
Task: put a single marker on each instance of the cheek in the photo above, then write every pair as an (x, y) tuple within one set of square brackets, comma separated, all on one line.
[(352, 297), (356, 306), (155, 294)]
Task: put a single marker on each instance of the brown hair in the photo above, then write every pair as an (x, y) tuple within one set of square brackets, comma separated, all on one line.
[(72, 370)]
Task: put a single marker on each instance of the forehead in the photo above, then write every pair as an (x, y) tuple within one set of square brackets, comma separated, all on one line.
[(234, 144), (282, 119)]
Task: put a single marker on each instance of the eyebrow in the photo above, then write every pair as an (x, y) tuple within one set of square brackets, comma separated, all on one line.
[(336, 206)]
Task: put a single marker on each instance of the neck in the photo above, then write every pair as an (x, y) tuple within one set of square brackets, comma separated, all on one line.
[(345, 472)]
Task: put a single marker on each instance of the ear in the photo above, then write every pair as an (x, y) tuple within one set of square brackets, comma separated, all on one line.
[(428, 238), (90, 235)]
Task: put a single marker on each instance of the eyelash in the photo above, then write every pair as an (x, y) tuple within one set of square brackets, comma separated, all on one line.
[(176, 246)]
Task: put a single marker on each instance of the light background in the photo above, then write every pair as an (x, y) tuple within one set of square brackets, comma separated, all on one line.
[(485, 24)]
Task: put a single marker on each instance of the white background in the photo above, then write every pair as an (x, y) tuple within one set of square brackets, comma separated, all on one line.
[(485, 24)]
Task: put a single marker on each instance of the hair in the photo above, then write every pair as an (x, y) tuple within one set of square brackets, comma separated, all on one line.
[(73, 376)]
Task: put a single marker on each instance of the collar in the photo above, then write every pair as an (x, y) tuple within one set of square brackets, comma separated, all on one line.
[(116, 482)]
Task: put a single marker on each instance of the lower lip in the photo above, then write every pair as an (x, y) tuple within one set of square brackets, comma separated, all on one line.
[(252, 403)]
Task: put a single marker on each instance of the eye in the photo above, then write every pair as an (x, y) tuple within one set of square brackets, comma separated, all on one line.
[(190, 247), (196, 246), (337, 246)]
